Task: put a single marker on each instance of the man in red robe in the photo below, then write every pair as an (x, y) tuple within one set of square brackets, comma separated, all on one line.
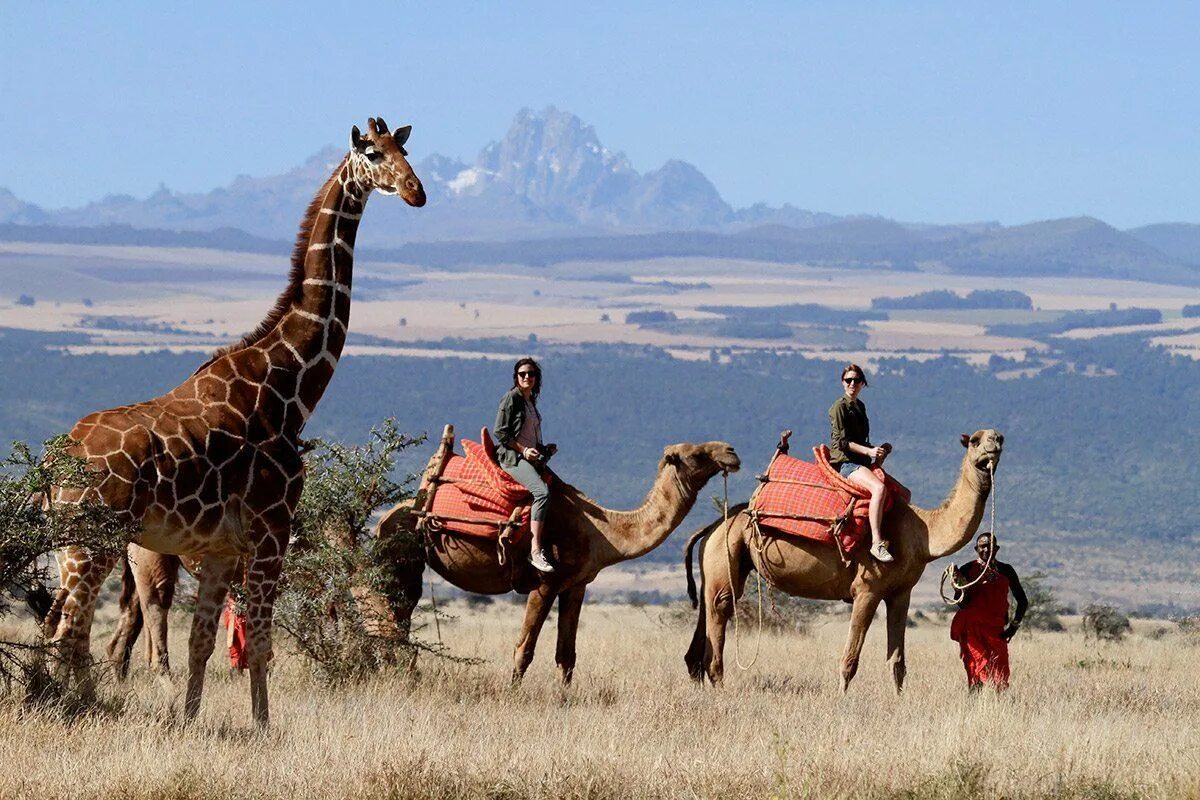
[(981, 626)]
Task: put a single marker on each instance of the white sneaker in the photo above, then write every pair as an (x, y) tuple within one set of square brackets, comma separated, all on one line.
[(880, 553), (538, 559)]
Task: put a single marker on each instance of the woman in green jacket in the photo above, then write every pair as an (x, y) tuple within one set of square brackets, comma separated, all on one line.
[(521, 452), (851, 451)]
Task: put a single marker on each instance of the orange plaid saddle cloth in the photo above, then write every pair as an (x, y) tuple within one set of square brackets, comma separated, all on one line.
[(476, 497), (811, 499)]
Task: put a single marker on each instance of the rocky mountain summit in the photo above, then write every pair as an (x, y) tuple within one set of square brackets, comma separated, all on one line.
[(548, 176)]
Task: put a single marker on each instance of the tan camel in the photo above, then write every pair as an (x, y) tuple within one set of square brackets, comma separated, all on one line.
[(805, 568), (584, 536)]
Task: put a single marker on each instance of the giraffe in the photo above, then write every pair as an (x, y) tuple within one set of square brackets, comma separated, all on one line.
[(212, 469)]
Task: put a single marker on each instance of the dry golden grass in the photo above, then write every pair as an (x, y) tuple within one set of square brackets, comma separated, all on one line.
[(1082, 720)]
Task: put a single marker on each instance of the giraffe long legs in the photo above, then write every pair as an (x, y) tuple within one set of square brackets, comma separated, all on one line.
[(83, 575), (262, 582), (216, 573)]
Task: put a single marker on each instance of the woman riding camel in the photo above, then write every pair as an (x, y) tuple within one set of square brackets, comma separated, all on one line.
[(521, 452), (852, 453)]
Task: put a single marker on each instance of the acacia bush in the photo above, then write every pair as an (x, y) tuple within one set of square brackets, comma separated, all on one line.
[(1044, 608), (1105, 622), (340, 592), (29, 529)]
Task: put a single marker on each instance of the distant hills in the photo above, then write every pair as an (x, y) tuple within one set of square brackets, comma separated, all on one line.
[(550, 191)]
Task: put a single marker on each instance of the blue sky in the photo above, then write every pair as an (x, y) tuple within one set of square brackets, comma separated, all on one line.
[(938, 112)]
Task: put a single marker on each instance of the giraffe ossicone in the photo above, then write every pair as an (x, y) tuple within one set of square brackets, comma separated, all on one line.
[(212, 469)]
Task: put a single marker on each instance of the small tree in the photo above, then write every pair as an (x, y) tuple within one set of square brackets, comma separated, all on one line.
[(1105, 622), (1044, 608), (339, 596), (30, 528)]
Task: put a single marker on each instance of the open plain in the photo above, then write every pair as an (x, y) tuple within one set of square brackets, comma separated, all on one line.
[(1083, 719)]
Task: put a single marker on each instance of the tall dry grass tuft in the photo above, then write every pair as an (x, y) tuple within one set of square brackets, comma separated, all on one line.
[(1083, 719)]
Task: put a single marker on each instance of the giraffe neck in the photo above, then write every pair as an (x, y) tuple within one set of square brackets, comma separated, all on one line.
[(316, 324), (283, 368)]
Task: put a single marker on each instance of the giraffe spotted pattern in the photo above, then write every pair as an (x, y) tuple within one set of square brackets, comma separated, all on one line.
[(212, 469)]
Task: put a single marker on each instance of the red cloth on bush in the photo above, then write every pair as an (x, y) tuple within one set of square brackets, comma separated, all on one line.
[(234, 621), (476, 487), (816, 491)]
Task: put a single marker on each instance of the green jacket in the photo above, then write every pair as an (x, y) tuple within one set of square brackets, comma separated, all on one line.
[(848, 423), (509, 419)]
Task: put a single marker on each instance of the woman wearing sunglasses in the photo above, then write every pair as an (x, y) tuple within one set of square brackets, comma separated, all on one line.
[(852, 453), (521, 452)]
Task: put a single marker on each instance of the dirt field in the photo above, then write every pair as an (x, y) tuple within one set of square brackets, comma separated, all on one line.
[(1083, 719), (217, 296)]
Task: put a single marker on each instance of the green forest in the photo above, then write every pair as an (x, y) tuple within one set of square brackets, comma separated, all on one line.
[(1085, 454)]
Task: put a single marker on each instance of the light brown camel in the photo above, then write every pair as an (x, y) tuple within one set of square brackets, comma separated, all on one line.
[(806, 568), (584, 537)]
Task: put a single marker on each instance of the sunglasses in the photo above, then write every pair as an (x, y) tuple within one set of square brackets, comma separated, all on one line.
[(851, 381), (526, 374)]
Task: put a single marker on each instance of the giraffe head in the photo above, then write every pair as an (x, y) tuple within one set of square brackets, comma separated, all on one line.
[(380, 163)]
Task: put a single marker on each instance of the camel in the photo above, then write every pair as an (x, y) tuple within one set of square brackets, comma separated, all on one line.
[(806, 568), (584, 537)]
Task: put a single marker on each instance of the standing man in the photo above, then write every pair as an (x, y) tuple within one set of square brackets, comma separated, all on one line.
[(981, 626)]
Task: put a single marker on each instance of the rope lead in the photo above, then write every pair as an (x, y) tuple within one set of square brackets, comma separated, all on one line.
[(948, 573)]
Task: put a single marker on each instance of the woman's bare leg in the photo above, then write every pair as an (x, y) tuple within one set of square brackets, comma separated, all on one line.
[(866, 479)]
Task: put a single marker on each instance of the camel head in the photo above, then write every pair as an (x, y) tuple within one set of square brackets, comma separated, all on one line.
[(380, 162), (696, 463), (983, 449)]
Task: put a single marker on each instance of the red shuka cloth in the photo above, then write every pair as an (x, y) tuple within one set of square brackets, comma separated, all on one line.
[(977, 628), (235, 634), (815, 489), (478, 488)]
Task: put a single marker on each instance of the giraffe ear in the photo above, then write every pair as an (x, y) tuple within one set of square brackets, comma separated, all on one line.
[(356, 140), (966, 440), (401, 134)]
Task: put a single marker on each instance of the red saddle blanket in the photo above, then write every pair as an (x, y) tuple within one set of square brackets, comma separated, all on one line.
[(475, 496), (809, 499)]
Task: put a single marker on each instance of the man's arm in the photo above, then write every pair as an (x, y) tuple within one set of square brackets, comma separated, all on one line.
[(1018, 593)]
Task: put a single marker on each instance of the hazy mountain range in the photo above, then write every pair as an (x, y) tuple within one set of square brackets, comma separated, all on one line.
[(549, 190)]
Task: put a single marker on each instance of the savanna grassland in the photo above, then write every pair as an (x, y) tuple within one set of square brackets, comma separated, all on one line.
[(1083, 719)]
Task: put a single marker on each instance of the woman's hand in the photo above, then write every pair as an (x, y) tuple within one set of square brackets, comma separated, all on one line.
[(531, 454), (880, 453)]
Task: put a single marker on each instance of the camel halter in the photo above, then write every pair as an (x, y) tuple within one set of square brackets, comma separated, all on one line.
[(959, 589), (737, 642)]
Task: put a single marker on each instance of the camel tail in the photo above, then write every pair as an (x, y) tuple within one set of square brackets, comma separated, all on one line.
[(697, 536)]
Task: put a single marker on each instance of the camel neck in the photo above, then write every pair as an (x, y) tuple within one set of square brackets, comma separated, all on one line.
[(632, 534), (954, 523)]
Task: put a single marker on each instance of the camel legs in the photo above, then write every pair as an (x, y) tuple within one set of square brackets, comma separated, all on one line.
[(897, 623), (722, 557), (216, 573), (570, 603), (860, 620), (537, 608)]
